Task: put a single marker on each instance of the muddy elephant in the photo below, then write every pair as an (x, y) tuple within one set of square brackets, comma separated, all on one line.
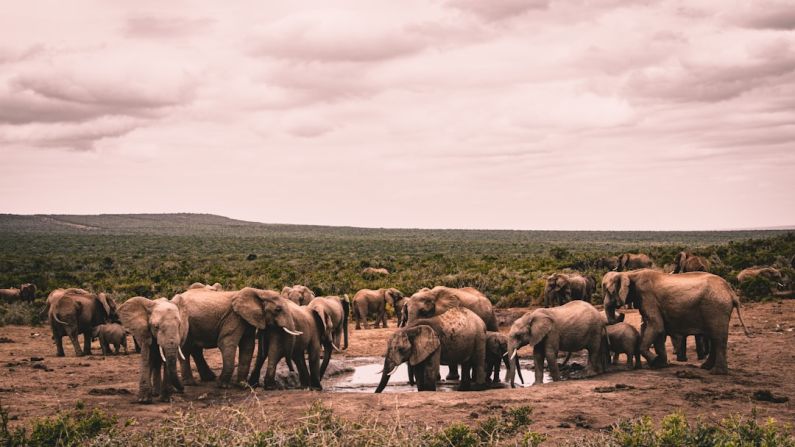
[(769, 273), (160, 326), (695, 303), (75, 311), (633, 261), (496, 353), (572, 327), (564, 287), (225, 320), (368, 302), (623, 338), (110, 334), (26, 292), (332, 312), (457, 337), (291, 332), (301, 295), (688, 262)]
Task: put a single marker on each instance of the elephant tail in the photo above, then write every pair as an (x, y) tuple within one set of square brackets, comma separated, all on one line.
[(736, 305)]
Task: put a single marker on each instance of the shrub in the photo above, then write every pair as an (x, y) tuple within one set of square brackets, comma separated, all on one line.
[(71, 428)]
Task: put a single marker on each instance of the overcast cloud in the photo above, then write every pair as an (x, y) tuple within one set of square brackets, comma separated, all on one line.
[(521, 114)]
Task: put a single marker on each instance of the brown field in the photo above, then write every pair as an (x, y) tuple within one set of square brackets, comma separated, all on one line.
[(570, 408)]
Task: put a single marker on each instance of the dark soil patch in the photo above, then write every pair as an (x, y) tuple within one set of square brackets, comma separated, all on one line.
[(767, 396)]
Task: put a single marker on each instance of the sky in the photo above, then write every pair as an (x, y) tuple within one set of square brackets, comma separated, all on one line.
[(499, 114)]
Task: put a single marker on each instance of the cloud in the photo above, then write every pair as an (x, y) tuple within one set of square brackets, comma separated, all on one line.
[(81, 136), (164, 27), (767, 15), (498, 9)]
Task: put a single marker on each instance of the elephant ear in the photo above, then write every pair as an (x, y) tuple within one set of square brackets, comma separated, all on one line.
[(424, 342), (623, 290), (539, 327), (248, 305), (184, 325), (106, 303), (285, 291), (323, 321), (134, 314), (446, 299)]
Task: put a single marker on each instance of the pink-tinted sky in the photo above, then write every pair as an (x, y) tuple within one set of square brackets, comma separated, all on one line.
[(538, 114)]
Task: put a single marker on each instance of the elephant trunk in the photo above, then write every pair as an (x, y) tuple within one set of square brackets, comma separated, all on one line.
[(171, 354), (385, 374), (513, 355), (610, 312)]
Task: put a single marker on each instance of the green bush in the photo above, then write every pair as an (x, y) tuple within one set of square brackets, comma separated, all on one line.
[(28, 314), (68, 429), (757, 288)]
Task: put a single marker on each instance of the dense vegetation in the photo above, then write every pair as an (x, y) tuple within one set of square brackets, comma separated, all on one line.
[(320, 426), (160, 255)]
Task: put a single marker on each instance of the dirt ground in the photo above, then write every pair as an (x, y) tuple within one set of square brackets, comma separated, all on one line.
[(33, 383)]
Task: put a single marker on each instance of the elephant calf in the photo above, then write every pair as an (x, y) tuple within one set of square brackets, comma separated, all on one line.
[(496, 352), (624, 339), (110, 334)]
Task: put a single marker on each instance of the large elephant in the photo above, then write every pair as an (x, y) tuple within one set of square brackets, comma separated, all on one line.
[(427, 303), (368, 302), (333, 312), (564, 287), (571, 327), (633, 261), (695, 303), (688, 262), (160, 326), (769, 273), (25, 292), (456, 337), (224, 320), (290, 332), (607, 263), (75, 311), (301, 295)]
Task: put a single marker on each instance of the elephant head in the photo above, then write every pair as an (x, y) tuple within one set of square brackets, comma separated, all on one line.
[(557, 289), (160, 326), (413, 345), (325, 325), (250, 304), (616, 292), (430, 302), (277, 313), (771, 274), (679, 261), (530, 329), (27, 292), (298, 294)]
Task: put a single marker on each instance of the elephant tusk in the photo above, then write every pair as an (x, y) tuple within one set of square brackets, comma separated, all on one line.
[(181, 355), (779, 284), (514, 353), (393, 370), (505, 355), (55, 317), (292, 332), (336, 348), (162, 355)]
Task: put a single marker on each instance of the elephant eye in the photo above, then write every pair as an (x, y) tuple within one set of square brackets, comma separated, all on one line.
[(279, 308)]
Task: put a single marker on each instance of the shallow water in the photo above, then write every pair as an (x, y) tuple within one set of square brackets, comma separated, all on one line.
[(366, 376)]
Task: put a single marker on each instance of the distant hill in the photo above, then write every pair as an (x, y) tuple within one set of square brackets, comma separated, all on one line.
[(186, 224)]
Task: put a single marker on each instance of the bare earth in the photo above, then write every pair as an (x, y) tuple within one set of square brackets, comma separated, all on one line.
[(566, 409)]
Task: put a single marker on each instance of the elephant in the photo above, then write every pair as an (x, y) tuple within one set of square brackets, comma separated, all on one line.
[(679, 343), (431, 302), (225, 320), (607, 263), (333, 312), (290, 331), (769, 273), (110, 334), (403, 317), (623, 338), (372, 272), (496, 352), (75, 311), (695, 303), (571, 327), (633, 261), (688, 262), (457, 337), (161, 327), (215, 287), (564, 287), (368, 301), (26, 292), (298, 294)]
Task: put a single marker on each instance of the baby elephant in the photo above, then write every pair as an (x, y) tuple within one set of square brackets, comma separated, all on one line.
[(111, 334), (624, 339), (496, 352)]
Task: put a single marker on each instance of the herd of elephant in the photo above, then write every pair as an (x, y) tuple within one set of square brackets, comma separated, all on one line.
[(456, 327)]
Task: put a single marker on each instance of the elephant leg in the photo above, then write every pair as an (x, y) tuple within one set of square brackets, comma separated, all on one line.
[(228, 349), (452, 373), (538, 363), (303, 371), (76, 344), (145, 379), (721, 364), (466, 381), (411, 374), (662, 356), (246, 349), (87, 342), (154, 372), (274, 355), (551, 355), (637, 360), (648, 334), (327, 348), (615, 358), (59, 346), (711, 358), (680, 347), (629, 359), (701, 346), (205, 373), (187, 373), (314, 369)]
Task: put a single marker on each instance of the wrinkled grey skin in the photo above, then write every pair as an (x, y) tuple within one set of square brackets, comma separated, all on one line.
[(111, 334), (368, 302), (332, 312), (291, 332), (226, 320), (564, 287), (301, 295), (74, 311), (160, 326), (688, 262), (457, 336), (571, 327), (25, 292), (624, 339), (695, 303), (633, 261)]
